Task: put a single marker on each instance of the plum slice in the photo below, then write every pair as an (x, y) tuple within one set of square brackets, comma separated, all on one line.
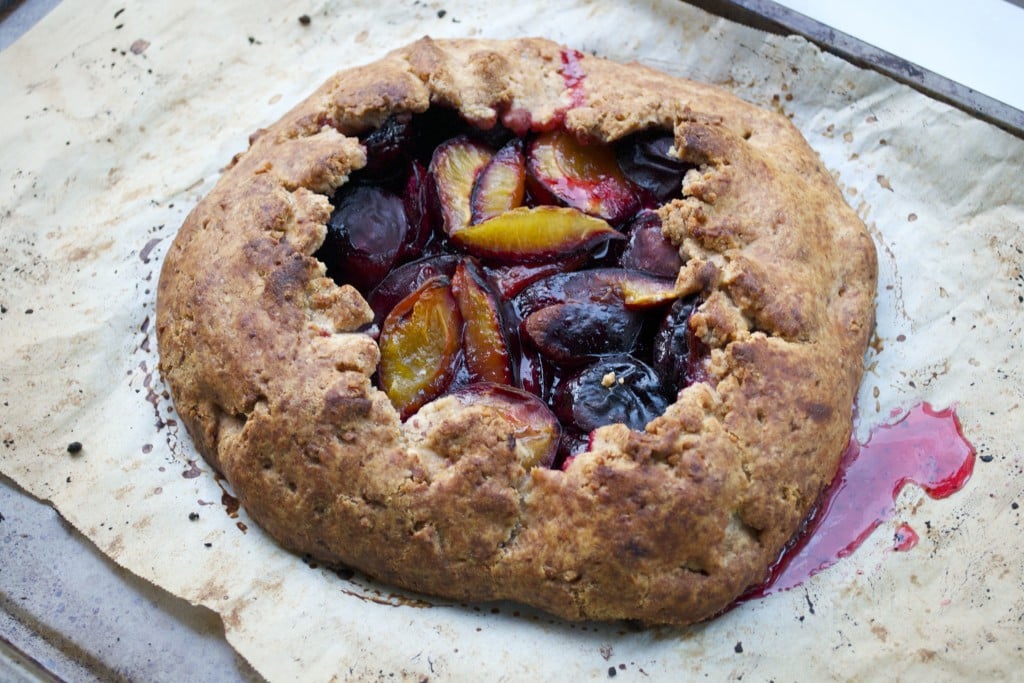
[(534, 373), (528, 234), (640, 291), (455, 166), (535, 427), (586, 177), (573, 317), (485, 348), (648, 249), (365, 235), (573, 333), (419, 344), (512, 279), (501, 184), (616, 389), (406, 279), (678, 353), (611, 286), (646, 159), (422, 211)]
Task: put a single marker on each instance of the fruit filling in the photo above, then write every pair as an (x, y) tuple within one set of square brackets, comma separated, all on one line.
[(527, 272)]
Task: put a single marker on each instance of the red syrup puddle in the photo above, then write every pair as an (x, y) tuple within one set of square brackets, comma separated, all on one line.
[(925, 447), (905, 539)]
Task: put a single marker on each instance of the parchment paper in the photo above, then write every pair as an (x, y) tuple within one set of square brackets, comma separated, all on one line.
[(116, 120)]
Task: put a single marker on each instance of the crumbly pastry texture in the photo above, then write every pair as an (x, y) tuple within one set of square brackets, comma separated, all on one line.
[(272, 378)]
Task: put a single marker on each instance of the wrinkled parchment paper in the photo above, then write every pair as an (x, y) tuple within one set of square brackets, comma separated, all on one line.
[(116, 120)]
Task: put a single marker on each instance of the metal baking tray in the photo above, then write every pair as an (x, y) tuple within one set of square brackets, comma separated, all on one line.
[(67, 612)]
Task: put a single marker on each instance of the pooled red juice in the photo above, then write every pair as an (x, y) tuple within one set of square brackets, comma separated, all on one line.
[(905, 538), (925, 447)]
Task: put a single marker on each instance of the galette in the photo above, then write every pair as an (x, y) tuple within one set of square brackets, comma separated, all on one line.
[(499, 320)]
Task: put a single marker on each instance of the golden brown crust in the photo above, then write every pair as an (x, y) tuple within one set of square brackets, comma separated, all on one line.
[(668, 525)]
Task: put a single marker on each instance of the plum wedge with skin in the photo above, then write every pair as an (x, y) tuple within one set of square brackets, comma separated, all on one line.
[(573, 317), (529, 234), (648, 249), (573, 333), (512, 279), (586, 177), (406, 279), (455, 166), (419, 343), (678, 354), (421, 210), (617, 286), (365, 236), (485, 348), (616, 389), (501, 184), (647, 160)]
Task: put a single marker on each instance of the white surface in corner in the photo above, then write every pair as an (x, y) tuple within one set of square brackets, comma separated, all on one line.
[(977, 43)]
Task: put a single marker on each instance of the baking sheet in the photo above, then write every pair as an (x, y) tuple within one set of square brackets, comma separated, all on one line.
[(117, 120)]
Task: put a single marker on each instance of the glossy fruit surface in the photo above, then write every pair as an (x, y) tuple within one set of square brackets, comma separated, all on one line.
[(365, 234), (572, 333), (512, 279), (418, 345), (678, 354), (647, 160), (586, 177), (526, 271), (405, 280), (422, 211), (389, 148), (617, 389), (647, 249), (501, 184), (610, 286), (454, 167), (486, 349), (526, 234)]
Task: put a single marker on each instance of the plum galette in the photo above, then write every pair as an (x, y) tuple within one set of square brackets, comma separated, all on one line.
[(498, 320)]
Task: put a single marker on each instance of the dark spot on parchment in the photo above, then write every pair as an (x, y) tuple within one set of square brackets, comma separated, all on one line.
[(144, 254)]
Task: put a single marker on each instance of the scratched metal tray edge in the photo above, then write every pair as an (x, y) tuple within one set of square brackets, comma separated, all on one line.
[(774, 18)]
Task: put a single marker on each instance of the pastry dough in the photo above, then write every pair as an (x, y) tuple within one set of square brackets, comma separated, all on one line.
[(273, 379)]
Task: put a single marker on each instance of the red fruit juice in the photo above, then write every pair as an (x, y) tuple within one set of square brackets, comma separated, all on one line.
[(925, 447)]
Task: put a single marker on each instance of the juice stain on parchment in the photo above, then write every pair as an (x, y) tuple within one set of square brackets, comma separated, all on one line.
[(925, 447)]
